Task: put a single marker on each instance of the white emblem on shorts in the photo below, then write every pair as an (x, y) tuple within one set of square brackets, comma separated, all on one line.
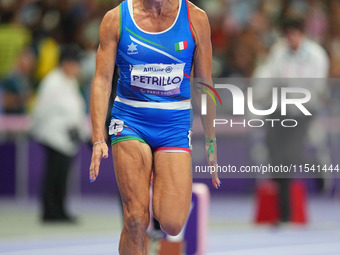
[(132, 49), (116, 126)]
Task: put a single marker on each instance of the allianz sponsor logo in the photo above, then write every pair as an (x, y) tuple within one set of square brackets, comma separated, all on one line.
[(168, 69)]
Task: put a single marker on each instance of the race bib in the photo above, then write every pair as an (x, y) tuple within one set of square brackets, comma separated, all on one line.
[(157, 79)]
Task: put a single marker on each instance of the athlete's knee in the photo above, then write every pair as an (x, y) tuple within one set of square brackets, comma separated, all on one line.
[(172, 226), (172, 222), (136, 224)]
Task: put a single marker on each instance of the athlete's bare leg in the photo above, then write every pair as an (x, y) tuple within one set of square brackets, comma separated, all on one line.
[(172, 190), (133, 164)]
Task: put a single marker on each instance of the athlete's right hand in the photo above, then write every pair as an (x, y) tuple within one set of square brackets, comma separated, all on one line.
[(99, 151)]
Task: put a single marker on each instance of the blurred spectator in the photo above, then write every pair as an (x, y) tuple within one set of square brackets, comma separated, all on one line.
[(90, 41), (294, 57), (16, 87), (48, 57), (333, 40), (316, 21), (58, 123), (245, 49), (13, 38)]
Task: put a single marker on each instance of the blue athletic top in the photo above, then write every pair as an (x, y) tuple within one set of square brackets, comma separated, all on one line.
[(155, 67)]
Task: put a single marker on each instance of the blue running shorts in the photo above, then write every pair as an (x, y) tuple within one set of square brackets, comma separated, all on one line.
[(163, 126)]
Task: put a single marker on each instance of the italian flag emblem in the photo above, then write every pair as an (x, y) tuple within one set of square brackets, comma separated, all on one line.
[(181, 46)]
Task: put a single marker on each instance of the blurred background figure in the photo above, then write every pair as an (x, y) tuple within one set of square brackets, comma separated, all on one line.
[(14, 37), (89, 41), (17, 85), (294, 56), (58, 123)]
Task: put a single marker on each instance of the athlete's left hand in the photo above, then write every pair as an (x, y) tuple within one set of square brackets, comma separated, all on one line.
[(212, 160)]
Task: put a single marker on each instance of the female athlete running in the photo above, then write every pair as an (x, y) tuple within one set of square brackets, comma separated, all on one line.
[(155, 44)]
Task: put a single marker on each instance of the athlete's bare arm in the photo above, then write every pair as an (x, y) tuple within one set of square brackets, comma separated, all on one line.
[(202, 72), (102, 86)]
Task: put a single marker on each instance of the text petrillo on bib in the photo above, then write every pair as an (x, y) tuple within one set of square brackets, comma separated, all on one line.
[(157, 79)]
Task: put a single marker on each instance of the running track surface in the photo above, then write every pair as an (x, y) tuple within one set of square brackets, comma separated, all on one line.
[(231, 231)]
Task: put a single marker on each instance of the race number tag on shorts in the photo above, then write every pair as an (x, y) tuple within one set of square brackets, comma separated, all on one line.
[(157, 79), (116, 126)]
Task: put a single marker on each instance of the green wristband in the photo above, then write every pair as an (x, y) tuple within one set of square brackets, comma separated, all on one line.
[(211, 148)]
